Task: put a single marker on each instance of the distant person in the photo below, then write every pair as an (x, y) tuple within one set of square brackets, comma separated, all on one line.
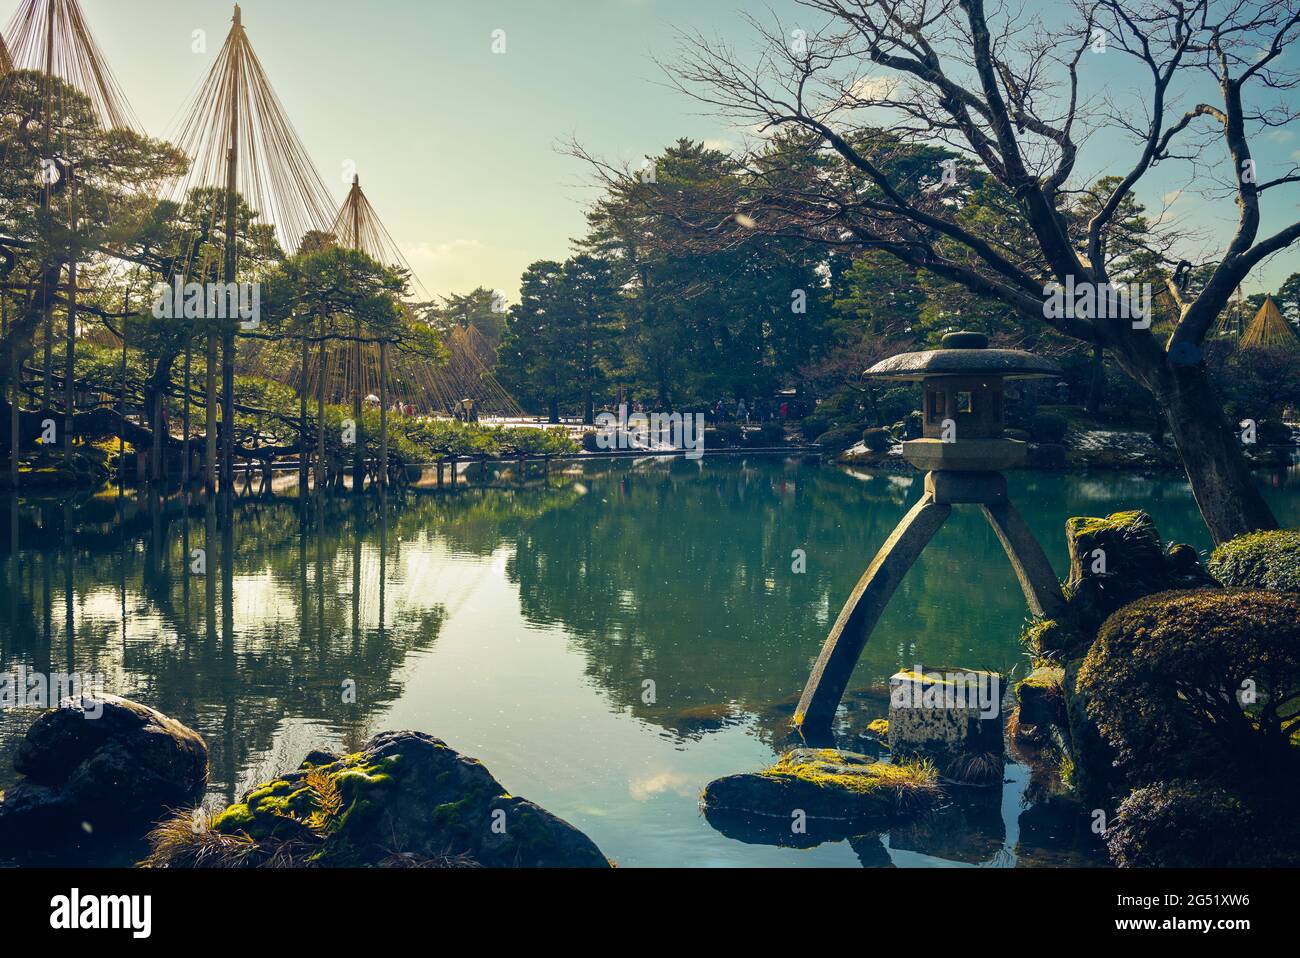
[(785, 410), (742, 412)]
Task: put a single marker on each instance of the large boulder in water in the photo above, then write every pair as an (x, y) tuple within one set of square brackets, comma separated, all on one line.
[(826, 783), (100, 765), (406, 799)]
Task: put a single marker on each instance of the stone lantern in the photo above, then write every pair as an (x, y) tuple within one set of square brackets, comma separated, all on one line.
[(963, 450)]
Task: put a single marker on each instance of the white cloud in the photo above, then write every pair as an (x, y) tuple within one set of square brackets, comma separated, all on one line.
[(870, 89), (656, 783)]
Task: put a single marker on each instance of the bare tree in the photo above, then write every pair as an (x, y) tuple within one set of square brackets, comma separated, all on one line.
[(1020, 97)]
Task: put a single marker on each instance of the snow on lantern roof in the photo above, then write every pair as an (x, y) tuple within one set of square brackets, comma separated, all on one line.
[(964, 354)]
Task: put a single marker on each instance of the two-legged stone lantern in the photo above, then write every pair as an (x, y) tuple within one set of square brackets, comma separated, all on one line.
[(963, 451)]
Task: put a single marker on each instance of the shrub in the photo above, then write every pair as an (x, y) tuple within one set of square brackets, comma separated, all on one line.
[(1183, 824), (896, 401), (813, 426), (1049, 427), (528, 441), (589, 443), (1261, 560), (728, 435), (839, 438), (771, 434), (1200, 684), (914, 427), (877, 440)]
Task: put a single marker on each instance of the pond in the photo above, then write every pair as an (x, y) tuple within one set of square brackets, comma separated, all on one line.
[(606, 639)]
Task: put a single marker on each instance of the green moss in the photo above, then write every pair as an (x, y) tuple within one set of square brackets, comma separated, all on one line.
[(1198, 824), (1133, 520), (324, 799), (1069, 776), (452, 814), (1261, 560), (1041, 679), (1052, 640), (233, 819), (826, 768)]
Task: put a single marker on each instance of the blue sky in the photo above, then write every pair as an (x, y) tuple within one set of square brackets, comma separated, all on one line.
[(456, 146)]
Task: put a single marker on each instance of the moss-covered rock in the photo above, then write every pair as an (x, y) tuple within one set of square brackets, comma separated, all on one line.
[(1041, 695), (1261, 560), (951, 718), (1199, 684), (827, 783), (1089, 769), (101, 764), (878, 729), (1191, 824), (1119, 559), (405, 798)]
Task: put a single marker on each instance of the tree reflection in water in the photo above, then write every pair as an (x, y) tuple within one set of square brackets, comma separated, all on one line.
[(676, 573)]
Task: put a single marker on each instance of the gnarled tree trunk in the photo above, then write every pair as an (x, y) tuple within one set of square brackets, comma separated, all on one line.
[(1212, 455)]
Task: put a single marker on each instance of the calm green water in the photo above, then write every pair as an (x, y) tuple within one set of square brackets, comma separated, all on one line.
[(521, 623)]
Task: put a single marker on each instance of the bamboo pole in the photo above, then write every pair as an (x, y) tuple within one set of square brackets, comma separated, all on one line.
[(383, 414), (121, 403), (210, 413), (16, 387), (70, 362), (156, 450), (228, 334), (320, 410), (231, 265), (185, 418), (359, 451), (302, 419), (45, 195)]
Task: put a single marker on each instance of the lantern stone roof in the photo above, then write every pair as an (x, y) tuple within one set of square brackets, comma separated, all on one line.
[(964, 354)]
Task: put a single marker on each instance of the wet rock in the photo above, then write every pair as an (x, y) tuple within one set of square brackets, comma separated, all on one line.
[(406, 799), (1091, 771), (125, 768), (951, 718), (1042, 697), (1119, 559), (826, 784)]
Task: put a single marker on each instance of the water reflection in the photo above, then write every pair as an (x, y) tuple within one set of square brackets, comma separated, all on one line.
[(607, 639)]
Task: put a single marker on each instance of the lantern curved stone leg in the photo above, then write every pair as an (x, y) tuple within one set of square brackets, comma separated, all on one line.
[(1037, 580), (848, 637)]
